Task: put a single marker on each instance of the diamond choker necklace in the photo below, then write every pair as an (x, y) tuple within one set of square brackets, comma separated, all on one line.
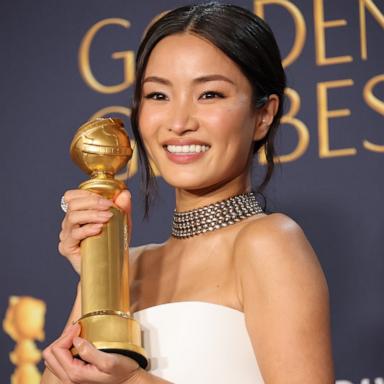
[(214, 216)]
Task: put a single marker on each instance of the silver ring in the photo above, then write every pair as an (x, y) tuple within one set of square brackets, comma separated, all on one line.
[(63, 204)]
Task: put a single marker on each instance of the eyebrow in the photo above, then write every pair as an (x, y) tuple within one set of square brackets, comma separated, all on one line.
[(201, 79)]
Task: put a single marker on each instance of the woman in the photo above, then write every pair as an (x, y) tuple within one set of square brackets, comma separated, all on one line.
[(209, 95)]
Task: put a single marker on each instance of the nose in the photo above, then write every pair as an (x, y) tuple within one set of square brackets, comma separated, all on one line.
[(182, 118)]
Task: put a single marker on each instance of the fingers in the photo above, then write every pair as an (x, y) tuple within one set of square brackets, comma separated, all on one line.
[(86, 214), (108, 363), (78, 200), (71, 236), (54, 367), (95, 366), (62, 363), (79, 225), (49, 353), (78, 193), (85, 370), (89, 216), (85, 231), (103, 361), (86, 211), (88, 201)]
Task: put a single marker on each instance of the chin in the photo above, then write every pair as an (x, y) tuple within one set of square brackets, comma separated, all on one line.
[(197, 185), (187, 181)]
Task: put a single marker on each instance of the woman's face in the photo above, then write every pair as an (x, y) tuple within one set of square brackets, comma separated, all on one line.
[(196, 118)]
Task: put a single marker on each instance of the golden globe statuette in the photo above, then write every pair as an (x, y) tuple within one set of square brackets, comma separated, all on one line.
[(101, 148), (24, 323)]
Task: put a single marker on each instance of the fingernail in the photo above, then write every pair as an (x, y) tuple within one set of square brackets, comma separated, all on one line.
[(105, 214), (105, 202)]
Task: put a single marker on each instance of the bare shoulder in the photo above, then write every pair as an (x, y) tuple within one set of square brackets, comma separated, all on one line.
[(269, 227), (274, 238), (284, 296), (272, 252)]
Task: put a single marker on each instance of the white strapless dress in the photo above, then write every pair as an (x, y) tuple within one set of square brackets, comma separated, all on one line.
[(193, 342)]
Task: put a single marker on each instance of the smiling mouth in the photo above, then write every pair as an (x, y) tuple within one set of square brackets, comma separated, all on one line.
[(186, 149)]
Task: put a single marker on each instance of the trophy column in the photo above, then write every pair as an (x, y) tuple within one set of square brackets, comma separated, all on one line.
[(101, 148)]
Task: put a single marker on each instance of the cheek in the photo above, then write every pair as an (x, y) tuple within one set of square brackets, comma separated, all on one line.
[(219, 119), (148, 121), (229, 123), (146, 134)]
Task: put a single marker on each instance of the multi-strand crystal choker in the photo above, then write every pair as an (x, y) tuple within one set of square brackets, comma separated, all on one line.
[(214, 216)]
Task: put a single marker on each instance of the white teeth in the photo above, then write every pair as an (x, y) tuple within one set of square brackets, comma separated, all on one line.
[(193, 148)]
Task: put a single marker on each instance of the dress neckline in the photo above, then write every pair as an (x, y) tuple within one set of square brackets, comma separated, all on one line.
[(187, 302)]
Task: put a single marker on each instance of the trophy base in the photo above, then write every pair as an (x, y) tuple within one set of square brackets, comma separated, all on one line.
[(114, 332)]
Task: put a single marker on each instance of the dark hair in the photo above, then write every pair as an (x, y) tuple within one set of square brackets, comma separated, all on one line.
[(245, 38)]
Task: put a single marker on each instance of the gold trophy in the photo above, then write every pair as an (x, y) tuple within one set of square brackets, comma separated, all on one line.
[(24, 322), (101, 148)]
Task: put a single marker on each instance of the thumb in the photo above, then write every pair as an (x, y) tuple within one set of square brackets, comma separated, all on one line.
[(123, 201), (87, 351)]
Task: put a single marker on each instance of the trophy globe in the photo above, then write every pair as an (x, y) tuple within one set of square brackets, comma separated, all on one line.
[(101, 148)]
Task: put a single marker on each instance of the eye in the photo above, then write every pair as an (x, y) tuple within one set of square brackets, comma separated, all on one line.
[(211, 95), (156, 96)]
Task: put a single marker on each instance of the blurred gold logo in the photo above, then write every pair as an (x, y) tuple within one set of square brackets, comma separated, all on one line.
[(24, 323)]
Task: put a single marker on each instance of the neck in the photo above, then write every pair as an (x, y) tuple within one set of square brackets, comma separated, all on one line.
[(191, 199)]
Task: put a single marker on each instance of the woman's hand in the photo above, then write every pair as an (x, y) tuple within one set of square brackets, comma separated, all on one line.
[(86, 215), (95, 366)]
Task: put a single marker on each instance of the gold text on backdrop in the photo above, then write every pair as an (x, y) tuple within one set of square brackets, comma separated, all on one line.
[(325, 113), (84, 61)]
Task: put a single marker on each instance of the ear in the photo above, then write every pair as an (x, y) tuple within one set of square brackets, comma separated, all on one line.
[(265, 116)]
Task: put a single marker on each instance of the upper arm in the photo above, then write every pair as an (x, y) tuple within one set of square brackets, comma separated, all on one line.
[(285, 301)]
